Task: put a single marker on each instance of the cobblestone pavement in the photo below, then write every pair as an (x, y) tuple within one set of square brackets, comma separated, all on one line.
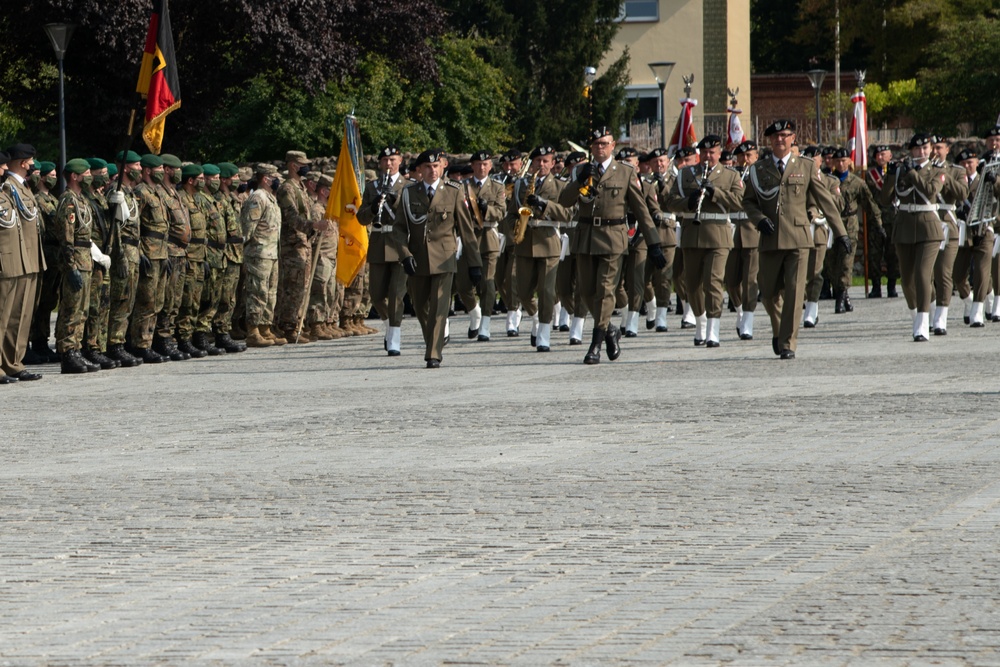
[(326, 504)]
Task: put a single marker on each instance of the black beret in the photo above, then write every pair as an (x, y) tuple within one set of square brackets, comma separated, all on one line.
[(965, 154), (453, 169), (511, 155), (644, 158), (542, 150), (725, 156), (938, 139), (428, 157), (4, 157), (600, 133), (657, 152), (878, 148), (710, 141), (20, 152), (626, 153), (687, 151), (841, 153), (827, 151), (466, 170), (389, 151), (576, 156), (780, 126), (481, 156), (810, 151), (745, 147), (993, 131), (919, 139)]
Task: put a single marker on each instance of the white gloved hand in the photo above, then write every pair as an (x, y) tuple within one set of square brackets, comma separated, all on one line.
[(99, 257), (116, 197)]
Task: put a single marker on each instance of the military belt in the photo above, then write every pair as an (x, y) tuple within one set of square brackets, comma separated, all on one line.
[(382, 229), (82, 244), (738, 215), (918, 208), (544, 223), (603, 222), (178, 241), (150, 234), (217, 245), (193, 241), (132, 242), (489, 225), (234, 240), (717, 217)]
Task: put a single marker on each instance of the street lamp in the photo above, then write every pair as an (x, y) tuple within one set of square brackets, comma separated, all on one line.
[(59, 34), (816, 77), (661, 72)]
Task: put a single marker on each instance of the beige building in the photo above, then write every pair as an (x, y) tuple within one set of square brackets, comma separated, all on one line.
[(709, 38)]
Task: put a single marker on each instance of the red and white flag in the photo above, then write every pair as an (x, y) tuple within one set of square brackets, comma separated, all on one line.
[(683, 135), (857, 140), (734, 136)]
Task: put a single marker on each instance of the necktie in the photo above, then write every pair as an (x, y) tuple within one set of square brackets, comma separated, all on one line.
[(781, 167), (430, 192), (600, 170)]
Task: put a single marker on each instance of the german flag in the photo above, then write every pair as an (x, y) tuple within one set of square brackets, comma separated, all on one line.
[(158, 82)]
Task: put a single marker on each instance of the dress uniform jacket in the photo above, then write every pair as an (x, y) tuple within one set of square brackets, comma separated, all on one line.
[(784, 199), (496, 208), (426, 230), (746, 235), (713, 230), (666, 224), (381, 249), (617, 191), (917, 219), (20, 232), (543, 237)]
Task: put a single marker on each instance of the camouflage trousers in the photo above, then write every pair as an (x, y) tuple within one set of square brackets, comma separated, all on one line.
[(175, 280), (48, 295), (122, 301), (353, 294), (880, 249), (149, 298), (335, 295), (293, 287), (261, 290), (72, 317), (194, 285), (95, 333), (223, 320), (211, 296), (321, 300)]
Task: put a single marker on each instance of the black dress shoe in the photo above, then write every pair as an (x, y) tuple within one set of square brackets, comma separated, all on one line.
[(393, 353), (534, 340), (612, 344), (512, 333), (938, 331), (564, 328), (631, 334), (473, 333), (746, 336), (575, 341), (774, 345), (711, 343), (687, 325), (698, 342), (593, 355), (976, 325), (650, 324), (787, 354), (10, 379), (966, 319), (433, 363), (483, 338), (542, 348), (661, 329), (919, 339), (27, 376)]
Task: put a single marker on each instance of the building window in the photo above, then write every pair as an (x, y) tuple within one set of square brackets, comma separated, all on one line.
[(647, 111), (640, 10)]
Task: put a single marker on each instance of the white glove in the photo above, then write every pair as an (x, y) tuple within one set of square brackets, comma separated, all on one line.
[(116, 197), (99, 257)]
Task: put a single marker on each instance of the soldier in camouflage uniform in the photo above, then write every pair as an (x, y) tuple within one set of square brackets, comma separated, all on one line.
[(95, 335), (176, 266), (151, 289), (48, 290), (215, 262), (223, 195), (320, 302), (124, 257), (73, 220), (197, 210), (260, 219)]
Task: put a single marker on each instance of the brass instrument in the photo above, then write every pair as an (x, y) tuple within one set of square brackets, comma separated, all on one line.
[(981, 211), (474, 205), (524, 213), (383, 190), (701, 193)]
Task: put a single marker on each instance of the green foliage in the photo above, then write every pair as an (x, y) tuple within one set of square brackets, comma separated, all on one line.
[(897, 99)]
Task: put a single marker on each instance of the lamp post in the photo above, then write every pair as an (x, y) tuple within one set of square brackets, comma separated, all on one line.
[(816, 77), (59, 34), (661, 72)]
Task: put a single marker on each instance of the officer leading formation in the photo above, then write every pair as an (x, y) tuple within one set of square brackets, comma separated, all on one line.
[(149, 259)]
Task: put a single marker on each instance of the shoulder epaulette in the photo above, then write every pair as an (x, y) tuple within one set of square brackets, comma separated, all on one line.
[(454, 184)]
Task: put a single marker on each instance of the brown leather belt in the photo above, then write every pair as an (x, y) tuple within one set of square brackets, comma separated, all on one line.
[(603, 222)]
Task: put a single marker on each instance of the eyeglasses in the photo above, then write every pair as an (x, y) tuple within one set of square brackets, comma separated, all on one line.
[(784, 135), (602, 144)]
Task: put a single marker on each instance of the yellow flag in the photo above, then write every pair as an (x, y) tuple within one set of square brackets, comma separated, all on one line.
[(353, 248)]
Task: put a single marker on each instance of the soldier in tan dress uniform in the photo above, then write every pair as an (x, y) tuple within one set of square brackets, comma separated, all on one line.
[(664, 174), (822, 240), (430, 215), (776, 198), (975, 253), (703, 196), (743, 262), (605, 190)]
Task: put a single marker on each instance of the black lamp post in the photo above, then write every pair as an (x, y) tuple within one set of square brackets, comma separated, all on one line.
[(816, 77), (59, 34), (661, 72)]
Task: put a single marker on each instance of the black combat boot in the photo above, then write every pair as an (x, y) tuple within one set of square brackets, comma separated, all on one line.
[(95, 357), (73, 362), (826, 292), (848, 306), (225, 341), (612, 340), (188, 347), (890, 289), (118, 353), (594, 353), (839, 306), (876, 292), (201, 341)]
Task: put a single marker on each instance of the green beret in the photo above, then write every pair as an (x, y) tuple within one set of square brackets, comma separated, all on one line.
[(96, 163), (131, 156), (151, 161), (228, 169), (76, 166), (211, 169), (112, 170), (189, 170), (46, 167), (171, 161)]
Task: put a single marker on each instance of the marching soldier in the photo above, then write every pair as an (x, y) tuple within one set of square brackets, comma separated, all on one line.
[(975, 253), (857, 198), (632, 284), (880, 247), (22, 265), (954, 192), (260, 219), (916, 183), (567, 291), (490, 206), (537, 253), (684, 157), (775, 200), (605, 190), (743, 262), (510, 166), (387, 279), (703, 195), (664, 175), (430, 215), (822, 241)]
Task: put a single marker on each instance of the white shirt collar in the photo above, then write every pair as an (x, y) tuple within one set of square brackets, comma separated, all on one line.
[(17, 176)]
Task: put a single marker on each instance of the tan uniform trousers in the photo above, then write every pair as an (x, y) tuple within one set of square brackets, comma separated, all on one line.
[(782, 279), (597, 279), (916, 268), (537, 275), (741, 276), (814, 272), (17, 301), (978, 257), (431, 297), (387, 283), (944, 267), (704, 274)]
